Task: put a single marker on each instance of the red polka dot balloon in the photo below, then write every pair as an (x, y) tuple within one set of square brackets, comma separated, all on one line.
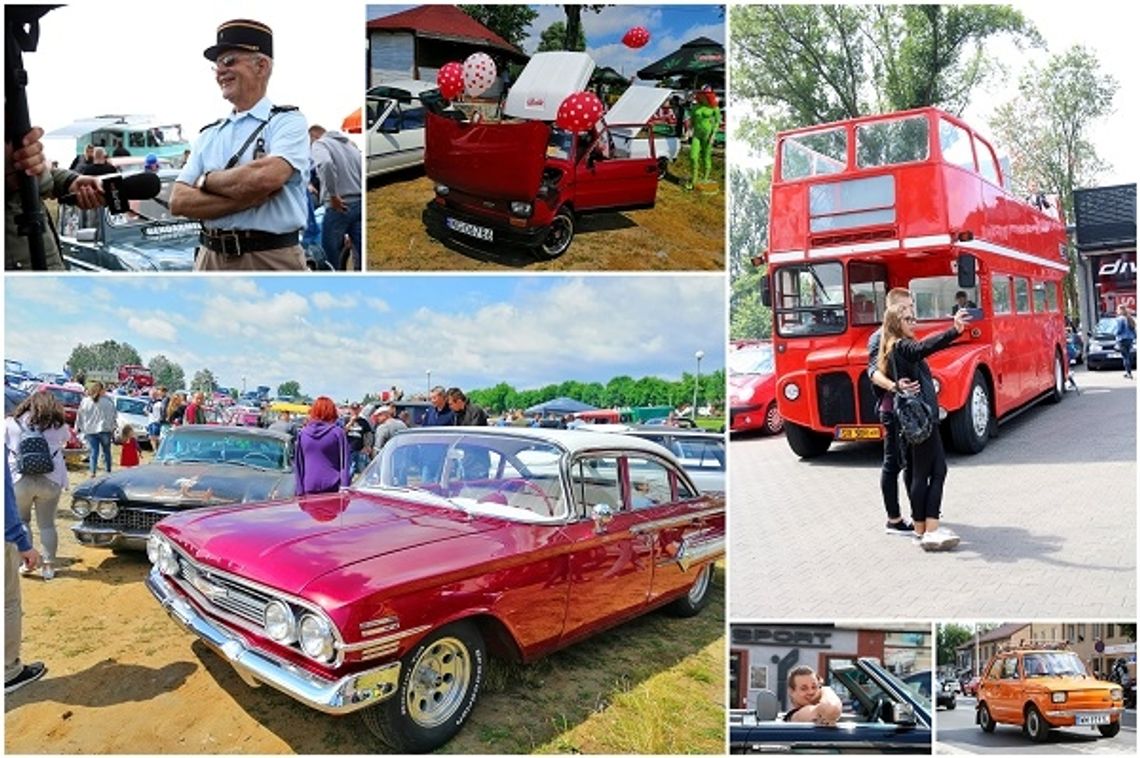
[(636, 37), (579, 112), (450, 80), (478, 73)]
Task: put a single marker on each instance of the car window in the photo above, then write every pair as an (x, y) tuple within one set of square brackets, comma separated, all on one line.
[(594, 481), (131, 405), (704, 455), (649, 483), (1009, 668), (994, 671), (189, 445)]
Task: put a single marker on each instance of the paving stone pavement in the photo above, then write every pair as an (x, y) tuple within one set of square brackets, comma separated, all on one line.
[(1046, 513)]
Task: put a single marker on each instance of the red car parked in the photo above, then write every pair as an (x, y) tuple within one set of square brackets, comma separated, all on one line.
[(454, 544), (752, 388)]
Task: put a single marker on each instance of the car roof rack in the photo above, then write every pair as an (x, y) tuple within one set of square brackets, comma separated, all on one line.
[(1031, 644)]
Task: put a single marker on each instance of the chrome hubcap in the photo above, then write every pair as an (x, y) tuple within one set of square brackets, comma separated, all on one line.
[(980, 411), (701, 585), (438, 682)]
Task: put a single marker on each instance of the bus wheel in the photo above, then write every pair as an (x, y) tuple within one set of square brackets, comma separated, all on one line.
[(805, 442), (1058, 392), (970, 424)]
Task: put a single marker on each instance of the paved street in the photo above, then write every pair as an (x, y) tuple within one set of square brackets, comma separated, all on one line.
[(1046, 513), (957, 733)]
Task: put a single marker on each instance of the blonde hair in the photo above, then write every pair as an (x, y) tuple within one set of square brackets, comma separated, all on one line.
[(892, 333)]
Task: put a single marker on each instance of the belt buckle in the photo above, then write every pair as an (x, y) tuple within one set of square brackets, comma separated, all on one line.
[(225, 236)]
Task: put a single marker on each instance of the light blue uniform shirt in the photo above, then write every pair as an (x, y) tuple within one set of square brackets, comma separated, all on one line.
[(286, 136)]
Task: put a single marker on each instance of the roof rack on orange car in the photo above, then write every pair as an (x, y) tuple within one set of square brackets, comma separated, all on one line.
[(1035, 645)]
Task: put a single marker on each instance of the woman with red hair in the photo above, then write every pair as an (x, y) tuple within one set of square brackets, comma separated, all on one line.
[(323, 460)]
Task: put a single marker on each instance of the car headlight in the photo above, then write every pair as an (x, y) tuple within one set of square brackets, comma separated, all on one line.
[(81, 506), (1094, 347), (316, 638), (107, 509), (1060, 697), (521, 209), (152, 545), (167, 561), (442, 190), (279, 622), (791, 390), (1116, 693)]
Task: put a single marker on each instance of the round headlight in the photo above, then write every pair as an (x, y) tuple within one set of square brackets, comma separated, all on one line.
[(153, 542), (80, 507), (1060, 697), (316, 638), (107, 509), (167, 562), (791, 390), (279, 622)]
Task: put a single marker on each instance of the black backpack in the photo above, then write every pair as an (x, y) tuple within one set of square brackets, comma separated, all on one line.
[(916, 419), (33, 455)]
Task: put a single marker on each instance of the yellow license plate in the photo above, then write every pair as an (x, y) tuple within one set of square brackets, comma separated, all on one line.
[(854, 433)]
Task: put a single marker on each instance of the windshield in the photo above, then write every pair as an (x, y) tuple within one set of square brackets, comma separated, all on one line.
[(189, 445), (131, 405), (886, 143), (751, 359), (511, 477), (809, 300), (1053, 664), (67, 397), (1106, 326), (814, 154)]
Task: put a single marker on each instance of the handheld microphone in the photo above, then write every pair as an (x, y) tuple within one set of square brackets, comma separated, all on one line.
[(119, 190)]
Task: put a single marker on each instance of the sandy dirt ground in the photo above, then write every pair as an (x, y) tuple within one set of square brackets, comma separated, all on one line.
[(124, 678), (683, 232)]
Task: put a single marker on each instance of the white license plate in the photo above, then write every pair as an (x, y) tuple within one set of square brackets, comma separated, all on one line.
[(1092, 719), (471, 230)]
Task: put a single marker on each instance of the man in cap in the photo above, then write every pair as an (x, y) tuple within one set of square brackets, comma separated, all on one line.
[(245, 177), (386, 426)]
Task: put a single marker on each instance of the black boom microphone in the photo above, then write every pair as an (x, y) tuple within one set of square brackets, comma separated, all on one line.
[(118, 190)]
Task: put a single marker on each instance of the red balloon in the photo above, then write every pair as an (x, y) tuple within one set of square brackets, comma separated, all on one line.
[(579, 112), (636, 37), (450, 80)]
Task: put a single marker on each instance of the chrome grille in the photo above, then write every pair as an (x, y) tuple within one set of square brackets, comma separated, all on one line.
[(224, 593), (127, 521)]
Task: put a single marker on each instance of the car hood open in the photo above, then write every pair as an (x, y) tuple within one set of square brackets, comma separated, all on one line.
[(289, 544), (501, 161)]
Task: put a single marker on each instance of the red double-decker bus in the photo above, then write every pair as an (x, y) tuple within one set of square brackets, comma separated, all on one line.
[(914, 199)]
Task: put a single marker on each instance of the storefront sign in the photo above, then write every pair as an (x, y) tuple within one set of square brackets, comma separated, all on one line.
[(763, 635)]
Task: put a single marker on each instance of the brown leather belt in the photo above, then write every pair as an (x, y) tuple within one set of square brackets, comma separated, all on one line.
[(234, 242)]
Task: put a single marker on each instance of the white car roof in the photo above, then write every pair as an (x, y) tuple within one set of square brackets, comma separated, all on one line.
[(573, 440), (547, 80)]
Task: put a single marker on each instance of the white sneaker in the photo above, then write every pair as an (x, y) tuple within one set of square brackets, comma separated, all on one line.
[(47, 572), (929, 541), (940, 539), (23, 570)]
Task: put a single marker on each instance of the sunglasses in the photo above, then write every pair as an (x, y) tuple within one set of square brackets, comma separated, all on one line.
[(228, 61)]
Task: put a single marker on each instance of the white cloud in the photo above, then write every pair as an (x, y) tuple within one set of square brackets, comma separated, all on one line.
[(377, 304), (326, 300), (153, 328)]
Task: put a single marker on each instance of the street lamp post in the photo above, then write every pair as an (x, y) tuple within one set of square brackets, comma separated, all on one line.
[(428, 372), (696, 386)]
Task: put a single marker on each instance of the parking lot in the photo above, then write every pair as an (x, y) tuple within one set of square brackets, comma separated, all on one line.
[(1046, 514)]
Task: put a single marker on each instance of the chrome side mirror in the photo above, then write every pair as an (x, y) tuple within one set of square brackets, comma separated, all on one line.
[(602, 515), (904, 714)]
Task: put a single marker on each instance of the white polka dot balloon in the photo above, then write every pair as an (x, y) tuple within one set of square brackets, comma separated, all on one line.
[(478, 73)]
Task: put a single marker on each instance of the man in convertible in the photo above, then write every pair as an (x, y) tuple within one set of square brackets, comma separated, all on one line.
[(810, 700)]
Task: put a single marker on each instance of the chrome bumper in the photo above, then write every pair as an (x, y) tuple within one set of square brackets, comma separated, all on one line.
[(1069, 713), (255, 667)]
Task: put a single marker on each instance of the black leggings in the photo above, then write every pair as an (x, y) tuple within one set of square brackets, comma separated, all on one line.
[(928, 475), (895, 456)]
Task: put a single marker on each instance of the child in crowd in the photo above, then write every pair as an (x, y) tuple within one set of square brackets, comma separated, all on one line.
[(130, 454)]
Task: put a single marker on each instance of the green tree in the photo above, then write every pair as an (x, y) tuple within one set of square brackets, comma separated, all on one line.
[(510, 22), (574, 21), (950, 636), (167, 373), (291, 388), (1046, 131), (104, 356), (204, 381), (554, 37)]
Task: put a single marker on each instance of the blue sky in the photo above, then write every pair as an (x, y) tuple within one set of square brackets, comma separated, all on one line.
[(670, 26), (347, 335)]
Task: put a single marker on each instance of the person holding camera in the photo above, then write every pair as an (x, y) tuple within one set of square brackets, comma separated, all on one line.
[(28, 158), (903, 356)]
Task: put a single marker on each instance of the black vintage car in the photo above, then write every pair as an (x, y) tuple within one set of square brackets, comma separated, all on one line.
[(195, 466)]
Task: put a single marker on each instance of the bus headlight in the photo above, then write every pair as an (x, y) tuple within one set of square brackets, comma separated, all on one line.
[(81, 507), (791, 390), (316, 638)]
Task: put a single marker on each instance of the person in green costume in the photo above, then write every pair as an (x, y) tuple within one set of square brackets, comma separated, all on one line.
[(706, 120)]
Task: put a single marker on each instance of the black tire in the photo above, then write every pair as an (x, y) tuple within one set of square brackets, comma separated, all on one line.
[(1057, 393), (985, 720), (559, 237), (952, 706), (970, 425), (1036, 727), (422, 717), (773, 421), (1109, 730), (805, 442), (699, 595)]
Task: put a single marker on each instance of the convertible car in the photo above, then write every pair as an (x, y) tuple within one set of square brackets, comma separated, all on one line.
[(456, 543), (195, 466), (885, 716)]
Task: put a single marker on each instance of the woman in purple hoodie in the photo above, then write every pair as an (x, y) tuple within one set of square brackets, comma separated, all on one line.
[(323, 460)]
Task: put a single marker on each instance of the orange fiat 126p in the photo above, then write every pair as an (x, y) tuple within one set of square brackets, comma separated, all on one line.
[(1043, 685)]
